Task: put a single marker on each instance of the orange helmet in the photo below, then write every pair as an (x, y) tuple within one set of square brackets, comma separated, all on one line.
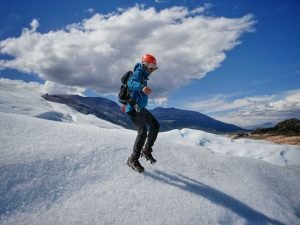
[(149, 61)]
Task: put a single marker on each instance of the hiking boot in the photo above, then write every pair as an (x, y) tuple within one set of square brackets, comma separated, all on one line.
[(146, 152), (135, 164)]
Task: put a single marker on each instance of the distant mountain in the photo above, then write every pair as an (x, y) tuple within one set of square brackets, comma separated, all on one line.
[(169, 118), (290, 127), (172, 118), (259, 125), (101, 107)]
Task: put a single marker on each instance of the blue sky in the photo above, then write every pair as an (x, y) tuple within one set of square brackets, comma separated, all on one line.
[(237, 61)]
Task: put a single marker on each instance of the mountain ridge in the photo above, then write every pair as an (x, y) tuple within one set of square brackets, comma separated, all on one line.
[(289, 127), (169, 118), (180, 118)]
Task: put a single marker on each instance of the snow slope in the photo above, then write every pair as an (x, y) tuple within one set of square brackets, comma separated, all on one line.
[(282, 155), (71, 171), (23, 98), (61, 173)]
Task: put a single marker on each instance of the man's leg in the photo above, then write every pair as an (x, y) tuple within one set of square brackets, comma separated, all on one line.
[(152, 135), (140, 124), (153, 130)]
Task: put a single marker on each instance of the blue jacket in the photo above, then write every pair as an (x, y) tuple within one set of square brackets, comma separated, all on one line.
[(136, 83)]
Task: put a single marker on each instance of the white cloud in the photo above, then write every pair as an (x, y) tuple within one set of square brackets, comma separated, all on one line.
[(8, 85), (60, 89), (202, 9), (40, 89), (251, 111), (34, 25), (95, 52), (221, 103), (159, 101), (89, 10)]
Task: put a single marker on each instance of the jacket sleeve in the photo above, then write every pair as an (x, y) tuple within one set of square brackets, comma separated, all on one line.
[(134, 82)]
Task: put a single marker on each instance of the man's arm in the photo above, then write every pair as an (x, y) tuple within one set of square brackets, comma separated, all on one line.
[(134, 82)]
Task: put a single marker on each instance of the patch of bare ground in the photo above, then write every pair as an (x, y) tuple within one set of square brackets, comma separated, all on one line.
[(285, 132), (279, 139)]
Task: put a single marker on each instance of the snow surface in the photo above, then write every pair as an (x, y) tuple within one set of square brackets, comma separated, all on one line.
[(58, 166), (19, 97)]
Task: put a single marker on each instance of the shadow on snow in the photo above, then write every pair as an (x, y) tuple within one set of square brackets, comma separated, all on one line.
[(220, 198)]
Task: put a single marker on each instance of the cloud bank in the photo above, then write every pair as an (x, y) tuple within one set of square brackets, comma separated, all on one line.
[(48, 87), (252, 111), (96, 52)]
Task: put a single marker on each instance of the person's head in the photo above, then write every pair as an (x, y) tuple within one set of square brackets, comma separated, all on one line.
[(149, 63)]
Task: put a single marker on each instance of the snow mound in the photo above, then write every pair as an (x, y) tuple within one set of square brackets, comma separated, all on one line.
[(282, 155)]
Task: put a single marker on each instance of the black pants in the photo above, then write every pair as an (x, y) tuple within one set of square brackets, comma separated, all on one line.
[(141, 120)]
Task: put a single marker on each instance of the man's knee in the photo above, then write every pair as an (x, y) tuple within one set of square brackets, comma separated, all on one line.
[(155, 125), (142, 131)]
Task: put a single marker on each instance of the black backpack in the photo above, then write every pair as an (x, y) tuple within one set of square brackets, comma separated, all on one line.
[(124, 95)]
